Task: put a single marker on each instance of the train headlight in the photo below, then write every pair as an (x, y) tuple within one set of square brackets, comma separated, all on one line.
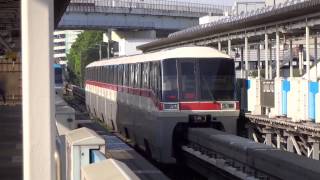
[(170, 106), (227, 105)]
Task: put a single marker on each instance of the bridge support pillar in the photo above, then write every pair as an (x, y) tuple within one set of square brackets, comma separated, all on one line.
[(270, 64), (278, 53), (219, 45), (241, 63), (316, 55), (268, 136), (266, 48), (258, 59), (315, 147), (308, 51), (291, 58), (300, 59), (246, 56)]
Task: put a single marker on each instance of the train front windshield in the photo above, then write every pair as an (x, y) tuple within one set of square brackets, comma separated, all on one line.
[(198, 80)]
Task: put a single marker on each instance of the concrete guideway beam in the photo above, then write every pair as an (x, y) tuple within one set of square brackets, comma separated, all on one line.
[(37, 89)]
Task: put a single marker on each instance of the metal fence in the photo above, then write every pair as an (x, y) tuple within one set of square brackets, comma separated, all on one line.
[(154, 5)]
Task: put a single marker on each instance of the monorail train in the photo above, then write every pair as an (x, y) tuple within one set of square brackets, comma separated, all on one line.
[(144, 97)]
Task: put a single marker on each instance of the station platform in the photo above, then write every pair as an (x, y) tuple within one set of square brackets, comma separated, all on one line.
[(10, 142), (117, 149)]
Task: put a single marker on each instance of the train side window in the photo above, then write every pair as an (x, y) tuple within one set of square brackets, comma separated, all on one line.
[(111, 74), (94, 73), (126, 75), (145, 75), (106, 74), (155, 80), (115, 74), (169, 80), (188, 90), (132, 75), (151, 80), (120, 75), (158, 79), (138, 76), (98, 74)]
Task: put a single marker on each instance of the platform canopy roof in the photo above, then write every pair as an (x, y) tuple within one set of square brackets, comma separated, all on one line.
[(10, 22), (288, 10)]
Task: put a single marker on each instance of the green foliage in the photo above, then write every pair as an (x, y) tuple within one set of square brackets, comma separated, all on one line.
[(84, 51)]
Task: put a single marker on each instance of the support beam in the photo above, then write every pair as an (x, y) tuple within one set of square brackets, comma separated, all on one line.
[(289, 144), (295, 144), (219, 45), (315, 152), (258, 59), (270, 64), (266, 59), (300, 59), (246, 56), (291, 57), (277, 53), (38, 103), (308, 51), (5, 44), (229, 47), (316, 56), (241, 63), (278, 140)]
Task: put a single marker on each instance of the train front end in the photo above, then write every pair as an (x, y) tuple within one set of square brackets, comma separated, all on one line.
[(197, 92)]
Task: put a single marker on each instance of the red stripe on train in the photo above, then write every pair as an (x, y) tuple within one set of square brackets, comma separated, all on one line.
[(200, 106)]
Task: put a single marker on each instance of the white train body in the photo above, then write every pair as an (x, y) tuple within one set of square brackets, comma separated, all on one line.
[(145, 96)]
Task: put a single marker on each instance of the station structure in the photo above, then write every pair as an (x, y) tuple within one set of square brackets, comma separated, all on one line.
[(276, 51)]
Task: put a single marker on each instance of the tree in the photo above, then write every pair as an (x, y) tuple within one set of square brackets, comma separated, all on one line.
[(84, 51)]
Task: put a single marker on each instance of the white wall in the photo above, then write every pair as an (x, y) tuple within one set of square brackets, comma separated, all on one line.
[(128, 46)]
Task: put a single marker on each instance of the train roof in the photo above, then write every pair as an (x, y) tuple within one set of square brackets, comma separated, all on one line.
[(180, 52)]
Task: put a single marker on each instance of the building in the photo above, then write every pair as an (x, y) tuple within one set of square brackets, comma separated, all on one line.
[(63, 41)]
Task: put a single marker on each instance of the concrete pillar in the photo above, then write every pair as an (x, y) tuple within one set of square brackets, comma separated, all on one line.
[(241, 63), (258, 59), (277, 54), (246, 56), (229, 47), (37, 90), (316, 56), (315, 154), (300, 59), (291, 58), (278, 140), (219, 45), (266, 59), (308, 51), (270, 64), (289, 144)]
